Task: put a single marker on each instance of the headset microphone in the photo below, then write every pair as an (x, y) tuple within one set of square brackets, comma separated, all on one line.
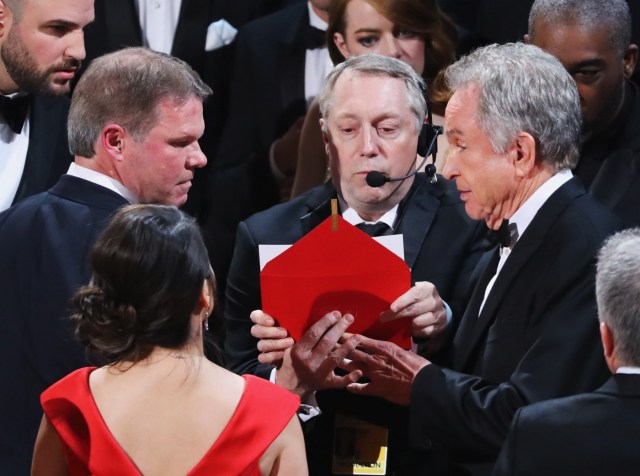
[(378, 179)]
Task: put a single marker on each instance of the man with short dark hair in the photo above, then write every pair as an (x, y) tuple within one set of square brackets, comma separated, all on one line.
[(596, 432), (592, 40), (41, 47), (134, 125)]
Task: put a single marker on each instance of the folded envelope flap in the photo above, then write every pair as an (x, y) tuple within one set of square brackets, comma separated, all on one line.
[(347, 251), (344, 270)]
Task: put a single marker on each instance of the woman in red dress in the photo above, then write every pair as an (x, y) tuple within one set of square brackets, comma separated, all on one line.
[(158, 406)]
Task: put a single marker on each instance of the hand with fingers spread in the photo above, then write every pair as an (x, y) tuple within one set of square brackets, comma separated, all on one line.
[(390, 369), (423, 305), (274, 341), (309, 364)]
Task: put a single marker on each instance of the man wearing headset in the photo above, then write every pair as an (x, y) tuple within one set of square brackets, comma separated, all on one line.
[(373, 110)]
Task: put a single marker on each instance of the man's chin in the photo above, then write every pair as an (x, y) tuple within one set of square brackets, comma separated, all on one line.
[(58, 88), (177, 201)]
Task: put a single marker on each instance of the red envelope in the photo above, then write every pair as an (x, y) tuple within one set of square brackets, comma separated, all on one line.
[(344, 270)]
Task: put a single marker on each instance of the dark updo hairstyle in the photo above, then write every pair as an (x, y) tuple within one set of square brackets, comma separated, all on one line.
[(149, 267), (423, 17)]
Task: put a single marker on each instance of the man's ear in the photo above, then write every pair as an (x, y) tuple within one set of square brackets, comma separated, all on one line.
[(608, 343), (526, 40), (524, 151), (112, 138), (630, 60)]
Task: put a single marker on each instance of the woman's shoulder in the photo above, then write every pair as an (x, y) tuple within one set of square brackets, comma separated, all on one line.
[(268, 393), (69, 384)]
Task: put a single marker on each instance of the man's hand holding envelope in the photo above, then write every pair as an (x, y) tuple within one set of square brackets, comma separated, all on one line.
[(307, 365)]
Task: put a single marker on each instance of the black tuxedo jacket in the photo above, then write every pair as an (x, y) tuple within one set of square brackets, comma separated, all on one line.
[(48, 155), (266, 97), (441, 245), (45, 241), (617, 183), (593, 433), (117, 25), (536, 338)]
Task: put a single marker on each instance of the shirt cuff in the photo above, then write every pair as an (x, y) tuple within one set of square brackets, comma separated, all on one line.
[(449, 312), (307, 410)]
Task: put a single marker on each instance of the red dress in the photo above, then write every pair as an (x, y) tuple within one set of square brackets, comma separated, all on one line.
[(261, 415)]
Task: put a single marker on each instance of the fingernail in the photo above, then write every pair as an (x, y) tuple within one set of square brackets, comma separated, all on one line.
[(348, 318)]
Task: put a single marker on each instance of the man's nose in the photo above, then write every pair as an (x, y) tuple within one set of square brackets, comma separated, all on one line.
[(369, 142), (196, 159), (75, 49)]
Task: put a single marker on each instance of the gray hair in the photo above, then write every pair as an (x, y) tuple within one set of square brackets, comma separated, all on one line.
[(523, 88), (380, 66), (125, 88), (613, 15), (618, 292)]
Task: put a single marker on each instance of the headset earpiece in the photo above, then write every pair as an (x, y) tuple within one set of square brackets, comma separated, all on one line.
[(428, 135), (423, 140)]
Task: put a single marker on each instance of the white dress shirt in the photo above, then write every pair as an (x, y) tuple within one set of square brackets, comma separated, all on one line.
[(317, 62), (628, 370), (523, 217), (13, 156), (158, 21), (352, 217)]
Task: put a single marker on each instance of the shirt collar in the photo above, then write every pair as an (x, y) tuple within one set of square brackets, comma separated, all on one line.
[(315, 21), (525, 214), (351, 216), (103, 180), (628, 370)]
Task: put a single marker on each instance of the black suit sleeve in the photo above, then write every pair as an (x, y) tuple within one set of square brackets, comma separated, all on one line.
[(242, 297), (470, 415), (506, 464)]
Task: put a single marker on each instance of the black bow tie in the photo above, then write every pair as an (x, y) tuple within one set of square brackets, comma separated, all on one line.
[(314, 37), (504, 236), (14, 110), (373, 229)]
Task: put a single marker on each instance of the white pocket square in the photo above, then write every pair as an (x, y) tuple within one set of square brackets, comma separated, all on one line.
[(219, 34)]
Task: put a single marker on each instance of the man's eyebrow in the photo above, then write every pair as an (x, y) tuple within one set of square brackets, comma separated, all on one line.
[(453, 131), (586, 63), (62, 22)]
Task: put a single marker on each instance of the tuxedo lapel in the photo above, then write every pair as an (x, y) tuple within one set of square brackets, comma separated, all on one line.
[(191, 32), (417, 217), (48, 155), (462, 340), (122, 23), (290, 64), (523, 251), (511, 269), (319, 206)]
